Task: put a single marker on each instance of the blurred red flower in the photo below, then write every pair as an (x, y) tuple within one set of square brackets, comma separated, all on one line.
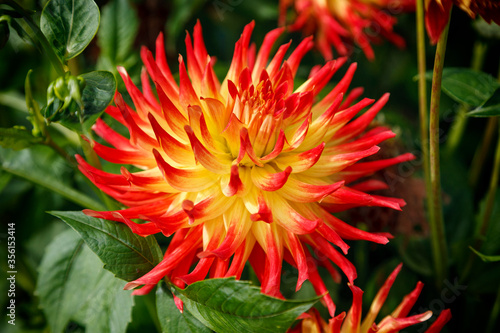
[(339, 23)]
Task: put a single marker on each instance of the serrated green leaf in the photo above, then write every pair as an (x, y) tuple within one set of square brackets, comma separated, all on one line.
[(119, 26), (171, 319), (484, 257), (123, 253), (468, 86), (99, 90), (490, 108), (17, 138), (69, 26), (39, 166), (227, 305), (73, 286)]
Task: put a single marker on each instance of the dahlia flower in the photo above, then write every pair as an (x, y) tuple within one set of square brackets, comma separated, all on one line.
[(437, 13), (247, 169), (339, 23), (396, 321)]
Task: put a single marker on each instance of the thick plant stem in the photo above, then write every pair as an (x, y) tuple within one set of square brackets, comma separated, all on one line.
[(438, 238), (460, 122), (422, 95)]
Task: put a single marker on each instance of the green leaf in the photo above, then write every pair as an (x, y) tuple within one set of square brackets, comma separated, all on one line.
[(72, 282), (17, 138), (484, 257), (490, 108), (69, 26), (59, 274), (109, 308), (123, 253), (468, 86), (98, 93), (100, 87), (227, 305), (171, 319), (39, 166), (119, 26)]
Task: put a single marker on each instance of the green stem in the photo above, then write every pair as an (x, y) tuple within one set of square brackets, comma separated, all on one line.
[(494, 313), (490, 196), (65, 191), (482, 152), (460, 122), (438, 238), (482, 228), (422, 96), (90, 154), (37, 35), (59, 150)]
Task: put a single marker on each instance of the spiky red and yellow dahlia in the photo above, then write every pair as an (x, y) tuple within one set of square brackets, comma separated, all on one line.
[(339, 23), (396, 321), (249, 169)]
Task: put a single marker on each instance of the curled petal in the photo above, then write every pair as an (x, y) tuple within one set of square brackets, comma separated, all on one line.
[(218, 165), (301, 162), (267, 180), (188, 180)]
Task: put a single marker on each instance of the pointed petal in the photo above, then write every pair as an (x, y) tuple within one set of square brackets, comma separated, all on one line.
[(298, 191), (179, 153), (443, 318), (217, 164), (300, 162), (379, 300), (186, 180), (267, 180)]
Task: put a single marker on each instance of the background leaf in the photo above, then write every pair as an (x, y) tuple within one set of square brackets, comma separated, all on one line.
[(37, 166), (17, 138), (69, 26), (490, 108), (484, 257), (227, 305), (124, 253), (68, 265), (171, 319), (116, 35), (468, 86)]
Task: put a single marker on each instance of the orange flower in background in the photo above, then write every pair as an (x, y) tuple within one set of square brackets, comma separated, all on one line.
[(437, 13), (351, 323), (339, 23), (247, 169)]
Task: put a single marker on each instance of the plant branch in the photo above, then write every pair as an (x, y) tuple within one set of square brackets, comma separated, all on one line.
[(438, 236)]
